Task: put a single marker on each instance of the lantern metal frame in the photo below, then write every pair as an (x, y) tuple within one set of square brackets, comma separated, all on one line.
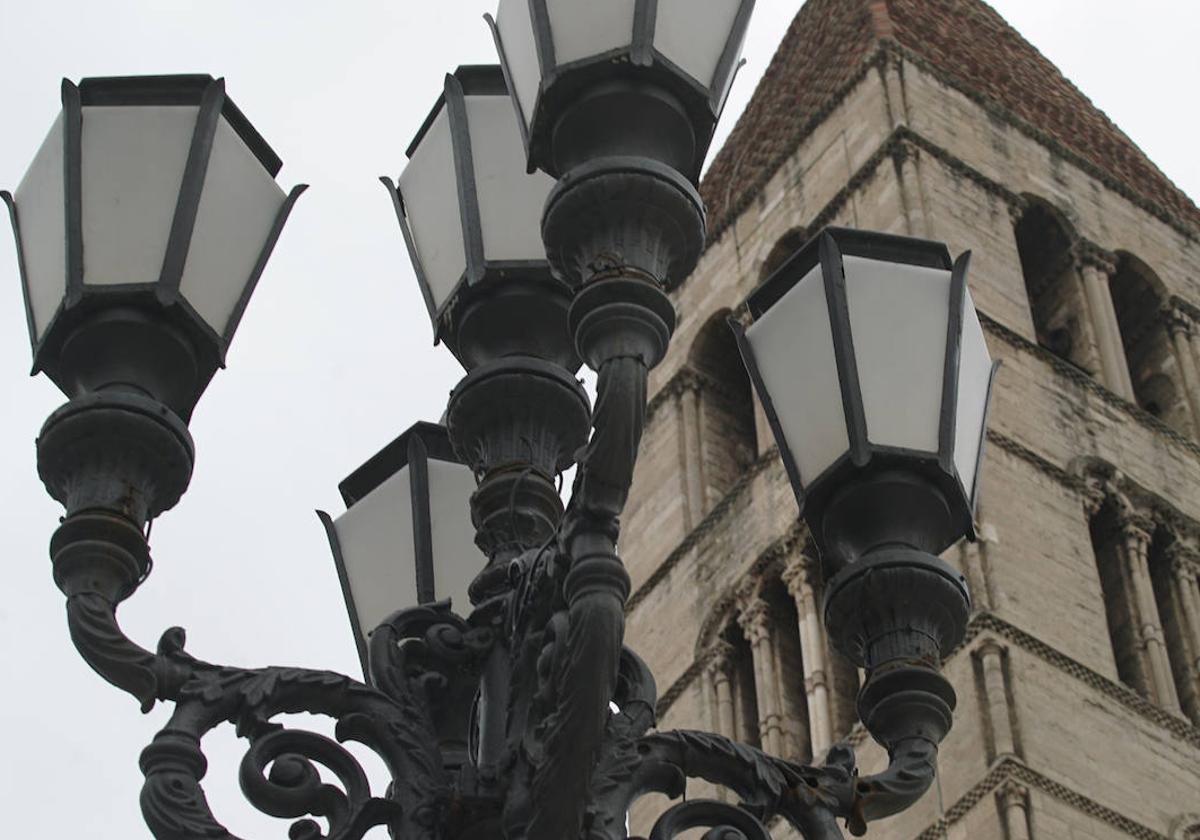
[(827, 249), (479, 271), (412, 449), (81, 300), (639, 61)]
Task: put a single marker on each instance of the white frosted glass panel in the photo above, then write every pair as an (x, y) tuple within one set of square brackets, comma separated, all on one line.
[(793, 347), (693, 33), (515, 24), (456, 558), (510, 201), (42, 216), (975, 368), (238, 207), (583, 28), (133, 162), (376, 539), (898, 316), (430, 190)]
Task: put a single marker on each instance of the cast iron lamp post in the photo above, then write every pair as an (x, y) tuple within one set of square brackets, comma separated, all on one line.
[(491, 700)]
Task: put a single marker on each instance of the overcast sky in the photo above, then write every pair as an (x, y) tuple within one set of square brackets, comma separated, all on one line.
[(334, 357)]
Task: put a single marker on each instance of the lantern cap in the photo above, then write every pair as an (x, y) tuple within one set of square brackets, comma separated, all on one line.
[(394, 457), (182, 89), (871, 245)]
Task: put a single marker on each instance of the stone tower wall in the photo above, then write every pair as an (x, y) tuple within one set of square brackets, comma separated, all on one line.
[(1060, 732)]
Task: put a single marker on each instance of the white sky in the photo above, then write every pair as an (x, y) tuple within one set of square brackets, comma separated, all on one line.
[(334, 356)]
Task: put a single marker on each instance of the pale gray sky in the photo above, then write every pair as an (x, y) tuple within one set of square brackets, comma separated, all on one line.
[(334, 356)]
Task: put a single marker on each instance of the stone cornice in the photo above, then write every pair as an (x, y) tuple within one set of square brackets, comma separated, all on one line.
[(1088, 383), (687, 378), (706, 526), (1101, 174), (1012, 774)]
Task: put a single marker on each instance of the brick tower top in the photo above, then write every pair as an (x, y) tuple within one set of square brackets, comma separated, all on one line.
[(831, 44)]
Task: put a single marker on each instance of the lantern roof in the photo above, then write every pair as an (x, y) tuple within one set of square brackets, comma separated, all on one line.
[(185, 89)]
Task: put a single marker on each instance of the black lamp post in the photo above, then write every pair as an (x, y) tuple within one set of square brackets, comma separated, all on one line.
[(493, 656)]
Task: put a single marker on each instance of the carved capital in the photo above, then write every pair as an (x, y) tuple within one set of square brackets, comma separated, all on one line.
[(755, 620), (1016, 206), (990, 646), (800, 577), (815, 680), (1088, 254), (1013, 794), (1177, 320), (718, 660)]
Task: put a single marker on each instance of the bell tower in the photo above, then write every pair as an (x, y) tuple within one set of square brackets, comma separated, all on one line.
[(1079, 682)]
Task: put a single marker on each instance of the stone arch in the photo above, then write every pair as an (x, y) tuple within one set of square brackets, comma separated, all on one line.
[(726, 434), (1138, 297), (1046, 246), (783, 248)]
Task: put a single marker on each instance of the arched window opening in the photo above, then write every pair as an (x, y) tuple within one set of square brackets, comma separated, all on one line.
[(1119, 609), (745, 698), (1052, 283), (790, 672), (787, 245), (727, 427), (1173, 579), (1137, 297)]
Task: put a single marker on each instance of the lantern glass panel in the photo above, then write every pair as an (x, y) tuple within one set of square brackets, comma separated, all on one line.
[(456, 558), (898, 320), (133, 162), (376, 540), (585, 28), (692, 34), (429, 185), (510, 200), (238, 207), (974, 378), (515, 25), (39, 201), (793, 349)]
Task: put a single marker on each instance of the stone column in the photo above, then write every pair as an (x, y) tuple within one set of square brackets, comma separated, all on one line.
[(755, 620), (1013, 799), (798, 577), (990, 655), (691, 455), (1095, 270), (1134, 548), (1181, 329), (1185, 578)]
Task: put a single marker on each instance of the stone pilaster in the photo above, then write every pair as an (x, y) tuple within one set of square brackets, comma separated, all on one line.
[(1013, 800), (798, 577), (691, 456), (991, 656)]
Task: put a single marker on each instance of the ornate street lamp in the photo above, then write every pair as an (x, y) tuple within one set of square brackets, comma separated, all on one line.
[(142, 227), (495, 718), (471, 221), (400, 542), (870, 363)]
